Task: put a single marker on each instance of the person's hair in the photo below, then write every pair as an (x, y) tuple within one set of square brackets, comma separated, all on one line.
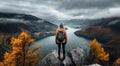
[(61, 25)]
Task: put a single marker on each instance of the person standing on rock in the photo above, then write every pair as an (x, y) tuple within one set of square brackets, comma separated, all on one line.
[(61, 39)]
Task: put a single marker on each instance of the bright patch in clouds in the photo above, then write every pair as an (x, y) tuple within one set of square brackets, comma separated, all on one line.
[(110, 12)]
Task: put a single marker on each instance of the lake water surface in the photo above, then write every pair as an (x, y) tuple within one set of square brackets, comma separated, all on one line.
[(48, 43)]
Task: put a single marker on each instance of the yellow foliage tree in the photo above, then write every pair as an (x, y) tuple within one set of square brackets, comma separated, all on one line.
[(98, 51), (21, 55), (117, 62)]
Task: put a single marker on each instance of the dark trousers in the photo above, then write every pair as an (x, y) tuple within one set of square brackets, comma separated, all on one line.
[(59, 49)]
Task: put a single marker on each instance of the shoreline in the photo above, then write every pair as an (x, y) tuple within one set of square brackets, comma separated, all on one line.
[(42, 35)]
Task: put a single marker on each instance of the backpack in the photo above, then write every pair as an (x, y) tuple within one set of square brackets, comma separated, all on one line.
[(60, 36)]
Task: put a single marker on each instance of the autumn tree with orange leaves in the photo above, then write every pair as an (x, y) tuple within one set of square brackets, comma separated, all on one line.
[(98, 51), (21, 55), (117, 62)]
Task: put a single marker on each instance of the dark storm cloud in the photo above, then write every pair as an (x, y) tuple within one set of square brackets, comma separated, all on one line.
[(63, 9), (79, 4)]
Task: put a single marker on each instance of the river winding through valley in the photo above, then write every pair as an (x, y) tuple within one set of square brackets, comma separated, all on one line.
[(47, 44)]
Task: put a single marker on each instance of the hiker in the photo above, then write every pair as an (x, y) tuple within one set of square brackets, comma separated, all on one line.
[(61, 39)]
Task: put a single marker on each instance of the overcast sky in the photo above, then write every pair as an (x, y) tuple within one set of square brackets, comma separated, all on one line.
[(63, 9)]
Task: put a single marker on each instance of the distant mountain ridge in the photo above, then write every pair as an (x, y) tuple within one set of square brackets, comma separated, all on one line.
[(92, 22), (19, 16), (80, 23), (24, 21), (113, 22)]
